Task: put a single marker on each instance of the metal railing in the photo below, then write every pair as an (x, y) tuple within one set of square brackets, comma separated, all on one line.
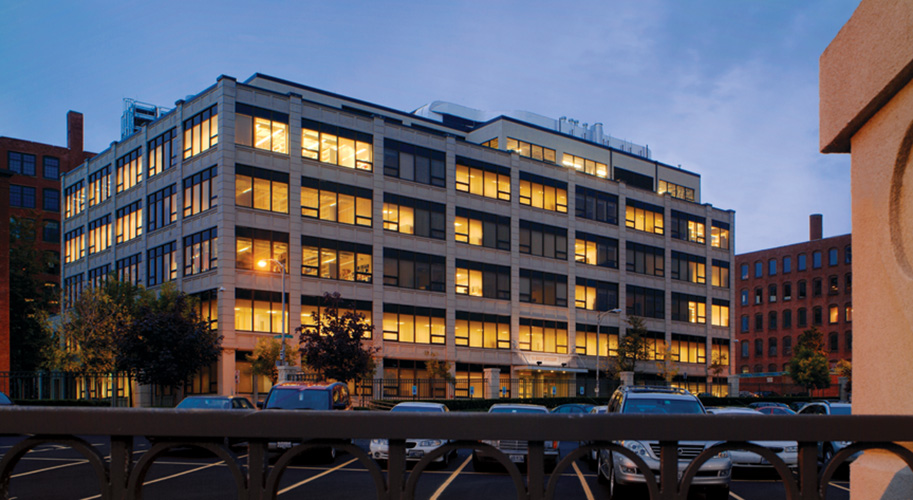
[(120, 477)]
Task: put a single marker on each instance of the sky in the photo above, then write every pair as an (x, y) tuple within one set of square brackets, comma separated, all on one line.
[(726, 89)]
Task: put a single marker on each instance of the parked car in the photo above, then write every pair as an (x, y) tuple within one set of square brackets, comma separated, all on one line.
[(622, 474), (5, 400), (786, 450), (591, 458), (416, 449), (307, 396), (517, 451), (758, 404), (775, 410), (581, 408), (215, 403), (827, 449)]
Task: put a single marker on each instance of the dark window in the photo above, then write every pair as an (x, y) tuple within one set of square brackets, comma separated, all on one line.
[(743, 272), (772, 348), (787, 291), (833, 342), (688, 227), (161, 264), (162, 155), (817, 316), (848, 283), (596, 250), (787, 346), (482, 228), (787, 265), (201, 252), (772, 267), (759, 349), (645, 302), (758, 322), (161, 208), (772, 320), (538, 287), (848, 341), (832, 257), (689, 308), (420, 271), (22, 196), (772, 292), (21, 163), (596, 205), (743, 295), (645, 259), (816, 287), (802, 264), (787, 319), (51, 232), (758, 269), (50, 200), (543, 240), (802, 318), (51, 167), (596, 295), (633, 179), (744, 323), (745, 348), (128, 269), (758, 295), (847, 255), (414, 163), (199, 192), (802, 292), (816, 259), (687, 267), (833, 285)]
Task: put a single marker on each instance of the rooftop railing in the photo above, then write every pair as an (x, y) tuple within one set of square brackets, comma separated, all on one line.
[(119, 476)]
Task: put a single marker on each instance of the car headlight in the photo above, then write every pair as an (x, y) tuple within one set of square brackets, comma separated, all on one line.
[(431, 442), (379, 442), (723, 454), (790, 449), (637, 447)]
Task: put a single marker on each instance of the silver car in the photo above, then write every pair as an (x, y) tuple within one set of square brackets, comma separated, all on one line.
[(622, 474), (416, 449), (516, 451), (788, 451)]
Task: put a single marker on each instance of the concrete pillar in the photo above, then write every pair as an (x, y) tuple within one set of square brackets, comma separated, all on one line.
[(492, 383), (844, 388), (866, 105), (733, 385), (286, 372)]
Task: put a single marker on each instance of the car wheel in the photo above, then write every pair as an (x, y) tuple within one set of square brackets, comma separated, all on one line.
[(592, 459), (603, 479), (718, 493), (445, 460), (617, 491), (828, 454)]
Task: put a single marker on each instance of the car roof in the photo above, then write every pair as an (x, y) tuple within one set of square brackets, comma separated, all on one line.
[(421, 404), (518, 406), (719, 410)]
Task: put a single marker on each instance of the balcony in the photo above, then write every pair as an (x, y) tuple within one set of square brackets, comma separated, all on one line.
[(119, 477)]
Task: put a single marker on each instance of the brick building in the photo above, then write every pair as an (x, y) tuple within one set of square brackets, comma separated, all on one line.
[(784, 291), (34, 192)]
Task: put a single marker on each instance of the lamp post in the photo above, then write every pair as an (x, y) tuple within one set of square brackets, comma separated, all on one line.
[(263, 263), (598, 328)]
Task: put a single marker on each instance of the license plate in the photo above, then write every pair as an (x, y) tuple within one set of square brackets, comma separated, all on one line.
[(284, 445), (416, 454), (517, 458)]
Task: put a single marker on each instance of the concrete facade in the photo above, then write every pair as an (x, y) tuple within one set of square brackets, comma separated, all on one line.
[(787, 298), (866, 87), (516, 314)]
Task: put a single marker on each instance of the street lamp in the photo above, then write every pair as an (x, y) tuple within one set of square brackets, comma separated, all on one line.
[(263, 264), (598, 328)]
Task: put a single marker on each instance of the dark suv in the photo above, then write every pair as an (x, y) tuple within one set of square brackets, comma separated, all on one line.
[(621, 473), (307, 396)]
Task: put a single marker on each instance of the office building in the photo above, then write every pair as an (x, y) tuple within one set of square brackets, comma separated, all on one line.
[(488, 242)]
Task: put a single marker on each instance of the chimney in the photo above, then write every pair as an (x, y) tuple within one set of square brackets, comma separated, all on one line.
[(814, 227), (74, 139)]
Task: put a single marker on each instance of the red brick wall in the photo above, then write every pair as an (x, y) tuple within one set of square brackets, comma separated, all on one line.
[(4, 278)]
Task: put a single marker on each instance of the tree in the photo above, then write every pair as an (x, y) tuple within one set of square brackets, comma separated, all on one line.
[(808, 366), (439, 373), (666, 368), (633, 346), (265, 355), (87, 339), (334, 345), (167, 342), (845, 369), (31, 297)]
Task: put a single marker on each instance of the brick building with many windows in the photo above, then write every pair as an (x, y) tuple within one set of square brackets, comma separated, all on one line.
[(491, 242), (783, 291), (34, 193)]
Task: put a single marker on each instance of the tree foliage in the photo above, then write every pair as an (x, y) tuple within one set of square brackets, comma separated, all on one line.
[(167, 342), (31, 297), (808, 366), (265, 355), (87, 338), (334, 345), (666, 367), (633, 346), (438, 369)]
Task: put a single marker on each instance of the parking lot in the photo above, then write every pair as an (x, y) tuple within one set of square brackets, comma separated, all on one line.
[(56, 472)]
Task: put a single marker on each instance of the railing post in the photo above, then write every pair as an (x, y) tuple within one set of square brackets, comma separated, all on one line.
[(120, 466), (396, 468), (808, 471), (668, 471), (257, 465), (535, 470)]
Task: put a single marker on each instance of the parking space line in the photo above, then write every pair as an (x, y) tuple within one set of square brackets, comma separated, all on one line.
[(583, 483), (308, 480), (29, 473), (450, 479), (733, 495), (835, 485)]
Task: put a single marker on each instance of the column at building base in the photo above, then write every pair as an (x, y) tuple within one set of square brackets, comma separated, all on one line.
[(880, 475)]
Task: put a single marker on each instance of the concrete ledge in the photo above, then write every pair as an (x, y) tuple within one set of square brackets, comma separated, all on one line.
[(865, 65)]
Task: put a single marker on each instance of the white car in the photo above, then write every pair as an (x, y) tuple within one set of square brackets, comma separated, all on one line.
[(788, 451), (416, 449)]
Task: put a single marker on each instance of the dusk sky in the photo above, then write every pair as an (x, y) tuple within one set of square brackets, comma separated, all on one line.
[(726, 89)]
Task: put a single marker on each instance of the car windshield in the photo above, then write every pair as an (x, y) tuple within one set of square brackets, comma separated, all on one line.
[(294, 399), (840, 410), (4, 400), (661, 405), (427, 409), (206, 403), (516, 410)]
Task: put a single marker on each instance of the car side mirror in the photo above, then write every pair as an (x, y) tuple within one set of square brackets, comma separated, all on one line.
[(259, 405)]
